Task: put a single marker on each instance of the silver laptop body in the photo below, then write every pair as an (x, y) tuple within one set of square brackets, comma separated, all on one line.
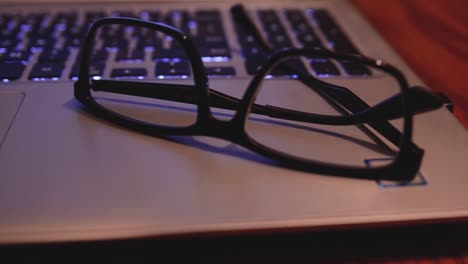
[(66, 175)]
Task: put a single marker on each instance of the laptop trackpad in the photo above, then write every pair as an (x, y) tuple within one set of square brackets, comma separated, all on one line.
[(10, 102)]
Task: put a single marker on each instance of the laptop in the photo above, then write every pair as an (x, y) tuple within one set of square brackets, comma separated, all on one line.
[(67, 175)]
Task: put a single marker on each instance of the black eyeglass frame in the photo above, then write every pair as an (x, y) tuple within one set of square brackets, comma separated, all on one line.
[(403, 168)]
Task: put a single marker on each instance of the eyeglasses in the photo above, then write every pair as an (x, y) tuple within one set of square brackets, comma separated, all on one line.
[(296, 130)]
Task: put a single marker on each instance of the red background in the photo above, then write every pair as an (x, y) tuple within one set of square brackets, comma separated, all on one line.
[(432, 37)]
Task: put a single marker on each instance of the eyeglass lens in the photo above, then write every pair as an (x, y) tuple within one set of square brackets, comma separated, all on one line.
[(137, 50)]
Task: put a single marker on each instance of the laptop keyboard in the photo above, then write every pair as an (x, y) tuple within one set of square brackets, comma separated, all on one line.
[(45, 46)]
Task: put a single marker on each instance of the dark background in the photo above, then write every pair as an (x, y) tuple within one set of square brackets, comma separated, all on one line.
[(423, 243)]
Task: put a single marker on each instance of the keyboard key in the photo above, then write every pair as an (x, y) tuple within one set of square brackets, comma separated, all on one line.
[(178, 19), (173, 68), (276, 33), (100, 55), (97, 55), (280, 41), (355, 69), (54, 54), (134, 55), (8, 43), (302, 29), (47, 71), (95, 70), (291, 67), (295, 17), (115, 42), (252, 51), (220, 71), (309, 40), (212, 42), (11, 70), (208, 27), (268, 17), (249, 47), (344, 46), (324, 68), (74, 41), (114, 32), (207, 15), (11, 27), (16, 55), (334, 34), (213, 52), (173, 53), (139, 73), (145, 40), (42, 42), (245, 39)]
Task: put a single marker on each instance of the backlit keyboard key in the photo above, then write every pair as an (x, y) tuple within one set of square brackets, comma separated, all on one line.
[(173, 68), (134, 55), (16, 55), (336, 37), (220, 71), (138, 73), (324, 68), (355, 69), (95, 70), (10, 71), (59, 55), (47, 71)]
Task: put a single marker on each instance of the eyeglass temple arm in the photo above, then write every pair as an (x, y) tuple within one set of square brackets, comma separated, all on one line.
[(181, 93), (421, 100)]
